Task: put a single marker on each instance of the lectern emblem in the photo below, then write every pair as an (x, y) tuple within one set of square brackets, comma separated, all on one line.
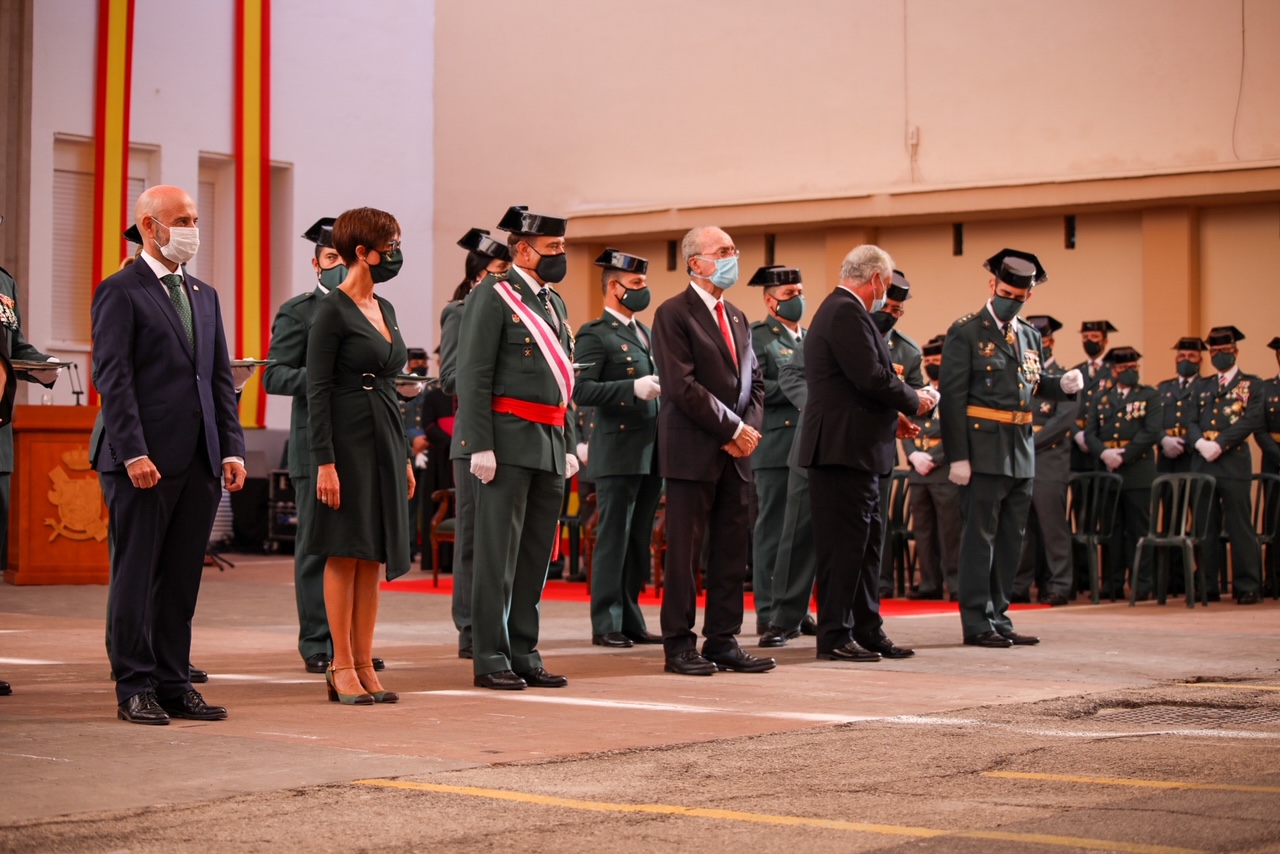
[(79, 501)]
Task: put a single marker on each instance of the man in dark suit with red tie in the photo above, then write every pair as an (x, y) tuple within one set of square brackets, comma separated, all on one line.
[(171, 439), (855, 408), (709, 423)]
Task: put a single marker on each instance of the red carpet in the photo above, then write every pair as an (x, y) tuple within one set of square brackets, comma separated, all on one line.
[(576, 591)]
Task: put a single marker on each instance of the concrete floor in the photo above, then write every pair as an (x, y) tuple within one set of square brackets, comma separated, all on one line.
[(1144, 729)]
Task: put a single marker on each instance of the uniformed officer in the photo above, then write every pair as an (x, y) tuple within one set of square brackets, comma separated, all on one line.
[(907, 361), (1094, 336), (515, 382), (775, 340), (1268, 439), (935, 500), (1228, 410), (485, 257), (411, 413), (1046, 550), (1124, 426), (1177, 402), (618, 382), (990, 370)]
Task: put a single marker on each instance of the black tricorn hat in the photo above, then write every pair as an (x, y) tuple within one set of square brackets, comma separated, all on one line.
[(1045, 324), (1122, 355), (776, 274), (899, 287), (1189, 343), (1221, 335), (132, 234), (417, 353), (1275, 343), (478, 241), (321, 233), (933, 347), (1027, 274), (613, 259), (1103, 326), (518, 220)]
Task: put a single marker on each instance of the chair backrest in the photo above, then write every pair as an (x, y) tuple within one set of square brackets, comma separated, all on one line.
[(1266, 505), (1180, 505), (1091, 502), (898, 505)]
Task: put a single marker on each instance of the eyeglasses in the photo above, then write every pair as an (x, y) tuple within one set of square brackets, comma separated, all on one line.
[(724, 252), (392, 246)]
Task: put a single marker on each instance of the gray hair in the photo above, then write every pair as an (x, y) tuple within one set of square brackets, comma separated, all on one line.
[(863, 262), (692, 243)]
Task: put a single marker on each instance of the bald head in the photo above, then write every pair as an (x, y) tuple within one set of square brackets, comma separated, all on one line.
[(160, 208)]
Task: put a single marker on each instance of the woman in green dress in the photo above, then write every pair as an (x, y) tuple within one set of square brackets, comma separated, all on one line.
[(358, 445)]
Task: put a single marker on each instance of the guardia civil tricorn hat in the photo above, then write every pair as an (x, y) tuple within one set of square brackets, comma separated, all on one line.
[(478, 241), (613, 259), (1103, 326), (1019, 269), (1188, 343), (1122, 355), (899, 287), (1045, 324), (776, 274), (132, 234), (321, 233), (1222, 335), (518, 220)]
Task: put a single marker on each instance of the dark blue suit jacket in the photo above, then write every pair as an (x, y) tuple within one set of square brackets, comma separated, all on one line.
[(158, 398)]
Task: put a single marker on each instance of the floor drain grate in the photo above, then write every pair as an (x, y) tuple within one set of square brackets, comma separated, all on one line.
[(1201, 716)]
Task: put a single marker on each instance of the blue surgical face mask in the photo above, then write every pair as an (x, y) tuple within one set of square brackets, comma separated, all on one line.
[(726, 274), (879, 304)]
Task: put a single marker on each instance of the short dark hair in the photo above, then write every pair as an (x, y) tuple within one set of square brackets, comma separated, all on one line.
[(367, 227), (607, 275)]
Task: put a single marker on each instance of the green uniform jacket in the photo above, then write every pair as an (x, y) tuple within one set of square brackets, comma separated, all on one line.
[(907, 358), (1131, 423), (1228, 416), (1093, 386), (775, 347), (450, 333), (15, 347), (1176, 407), (930, 442), (288, 376), (1053, 423), (625, 436), (981, 368), (1268, 438), (497, 355)]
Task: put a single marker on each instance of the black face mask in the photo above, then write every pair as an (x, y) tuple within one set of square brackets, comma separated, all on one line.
[(1092, 349), (933, 371), (884, 321), (551, 268)]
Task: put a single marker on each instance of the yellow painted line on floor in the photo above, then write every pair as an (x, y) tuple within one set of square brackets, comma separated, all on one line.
[(781, 820), (1236, 686), (1126, 781)]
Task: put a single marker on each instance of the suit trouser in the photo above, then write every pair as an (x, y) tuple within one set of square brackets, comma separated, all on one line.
[(4, 520), (517, 514), (620, 563), (887, 587), (846, 539), (714, 511), (1273, 552), (995, 517), (1231, 499), (160, 538), (1047, 544), (794, 570), (1133, 518), (308, 580), (771, 493), (935, 521), (464, 548)]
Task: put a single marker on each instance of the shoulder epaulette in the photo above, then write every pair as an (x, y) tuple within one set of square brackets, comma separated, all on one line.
[(964, 320)]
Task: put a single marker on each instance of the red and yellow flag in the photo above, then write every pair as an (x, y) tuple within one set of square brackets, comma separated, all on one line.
[(253, 196)]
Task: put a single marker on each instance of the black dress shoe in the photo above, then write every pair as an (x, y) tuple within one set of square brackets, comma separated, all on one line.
[(142, 708), (502, 680), (887, 648), (1020, 599), (539, 678), (808, 625), (1213, 596), (994, 640), (849, 652), (193, 707), (1055, 600), (919, 595), (1020, 640), (1248, 599), (5, 690), (614, 639), (740, 661), (689, 663), (467, 652), (643, 637), (318, 663), (774, 637), (379, 664), (199, 676)]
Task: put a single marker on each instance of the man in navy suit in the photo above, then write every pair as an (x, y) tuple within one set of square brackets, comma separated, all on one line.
[(855, 407), (708, 424), (171, 440)]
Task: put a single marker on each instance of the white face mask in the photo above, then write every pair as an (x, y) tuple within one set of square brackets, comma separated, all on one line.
[(183, 243)]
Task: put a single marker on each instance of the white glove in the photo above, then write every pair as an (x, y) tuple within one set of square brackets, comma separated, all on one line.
[(420, 460), (1112, 458), (46, 377), (583, 450), (484, 465), (409, 390), (930, 393), (921, 462), (960, 473), (1209, 450), (1072, 381), (241, 375), (647, 388), (1081, 441), (1173, 446), (570, 466)]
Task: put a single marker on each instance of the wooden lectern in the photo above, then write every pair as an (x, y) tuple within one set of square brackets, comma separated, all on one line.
[(57, 518)]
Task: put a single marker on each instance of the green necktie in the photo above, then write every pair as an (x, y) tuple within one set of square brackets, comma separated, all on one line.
[(178, 297)]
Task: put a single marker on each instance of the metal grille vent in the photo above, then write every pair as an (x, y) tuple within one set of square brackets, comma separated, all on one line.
[(1196, 716)]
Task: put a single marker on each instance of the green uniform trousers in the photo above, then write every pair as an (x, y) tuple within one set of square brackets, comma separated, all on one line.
[(620, 563), (793, 573), (464, 548), (771, 498), (1232, 503), (995, 517), (308, 580), (1133, 518)]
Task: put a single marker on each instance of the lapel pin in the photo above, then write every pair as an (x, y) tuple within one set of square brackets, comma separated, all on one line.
[(195, 287)]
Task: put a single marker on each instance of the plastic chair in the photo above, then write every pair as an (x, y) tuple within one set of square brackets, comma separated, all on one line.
[(1179, 519), (1091, 511), (899, 535), (1266, 520), (443, 528)]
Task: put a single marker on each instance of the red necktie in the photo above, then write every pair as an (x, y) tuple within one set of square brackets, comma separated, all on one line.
[(724, 330)]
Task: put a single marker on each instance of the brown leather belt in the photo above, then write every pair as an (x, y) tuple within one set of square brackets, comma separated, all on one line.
[(1212, 435), (1000, 415), (1118, 443), (1176, 432)]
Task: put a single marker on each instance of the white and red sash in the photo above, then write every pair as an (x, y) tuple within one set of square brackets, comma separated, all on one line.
[(544, 336)]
